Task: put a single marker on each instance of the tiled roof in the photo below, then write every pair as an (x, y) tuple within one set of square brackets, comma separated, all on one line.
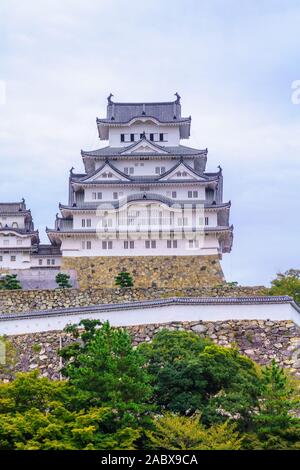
[(162, 111), (12, 207), (180, 150), (48, 250)]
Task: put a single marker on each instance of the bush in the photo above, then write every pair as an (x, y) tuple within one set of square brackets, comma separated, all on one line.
[(124, 279), (10, 282), (63, 281)]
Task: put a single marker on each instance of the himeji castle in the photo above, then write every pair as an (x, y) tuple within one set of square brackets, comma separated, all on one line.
[(144, 194), (144, 203)]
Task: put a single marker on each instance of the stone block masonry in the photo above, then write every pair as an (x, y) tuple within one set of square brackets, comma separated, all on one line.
[(147, 271), (24, 301), (261, 340)]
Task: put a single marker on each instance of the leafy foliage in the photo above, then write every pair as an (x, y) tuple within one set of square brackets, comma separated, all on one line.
[(36, 414), (190, 373), (287, 283), (10, 282), (124, 279), (63, 281), (105, 367), (175, 432)]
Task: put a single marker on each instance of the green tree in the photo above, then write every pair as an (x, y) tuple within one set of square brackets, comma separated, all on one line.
[(124, 279), (190, 373), (63, 280), (287, 283), (105, 367), (175, 432), (276, 424), (37, 414), (8, 357), (10, 282)]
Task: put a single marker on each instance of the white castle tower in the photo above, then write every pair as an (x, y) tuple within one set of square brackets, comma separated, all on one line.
[(144, 194)]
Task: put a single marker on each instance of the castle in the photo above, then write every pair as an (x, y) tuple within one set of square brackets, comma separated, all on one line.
[(145, 202)]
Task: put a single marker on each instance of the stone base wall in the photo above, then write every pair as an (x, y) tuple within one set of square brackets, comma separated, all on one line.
[(261, 340), (147, 271), (24, 301)]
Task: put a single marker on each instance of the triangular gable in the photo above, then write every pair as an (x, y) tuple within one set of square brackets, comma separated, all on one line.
[(144, 146), (182, 172), (106, 172)]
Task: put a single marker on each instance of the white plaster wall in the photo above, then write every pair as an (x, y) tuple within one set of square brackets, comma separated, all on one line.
[(22, 260), (35, 261), (207, 245), (138, 128), (159, 314), (12, 240), (9, 220), (181, 192)]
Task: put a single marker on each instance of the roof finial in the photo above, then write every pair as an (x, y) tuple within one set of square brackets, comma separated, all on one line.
[(71, 170), (177, 98), (220, 168), (23, 200), (143, 135), (109, 98)]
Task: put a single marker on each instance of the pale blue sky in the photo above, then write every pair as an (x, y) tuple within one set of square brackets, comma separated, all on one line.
[(233, 63)]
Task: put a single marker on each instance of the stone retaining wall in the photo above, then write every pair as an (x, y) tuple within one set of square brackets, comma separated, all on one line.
[(261, 340), (147, 271), (24, 301)]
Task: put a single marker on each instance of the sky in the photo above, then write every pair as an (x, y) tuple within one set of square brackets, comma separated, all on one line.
[(235, 64)]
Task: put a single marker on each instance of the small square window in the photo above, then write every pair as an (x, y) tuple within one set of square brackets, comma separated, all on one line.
[(161, 137), (190, 194), (169, 244), (88, 245), (157, 170), (109, 245), (126, 245), (122, 138), (48, 262), (126, 171), (163, 169), (131, 170), (195, 193), (40, 262), (131, 244), (153, 244), (83, 223), (53, 261), (94, 195), (115, 195), (147, 243), (88, 222), (1, 258), (152, 137), (174, 194), (104, 245), (99, 195), (12, 258)]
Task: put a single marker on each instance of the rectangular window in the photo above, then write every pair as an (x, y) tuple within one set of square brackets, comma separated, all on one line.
[(115, 195), (151, 137), (195, 193), (153, 244), (157, 170), (131, 170), (19, 242), (131, 137), (1, 258), (94, 195), (131, 245), (126, 245), (104, 245), (206, 221), (147, 244), (88, 222), (88, 245), (169, 244), (162, 170), (40, 262), (99, 195), (83, 245), (53, 261), (126, 171), (191, 243), (83, 223), (122, 138), (12, 258), (48, 262), (174, 194), (5, 242), (161, 137), (190, 194)]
